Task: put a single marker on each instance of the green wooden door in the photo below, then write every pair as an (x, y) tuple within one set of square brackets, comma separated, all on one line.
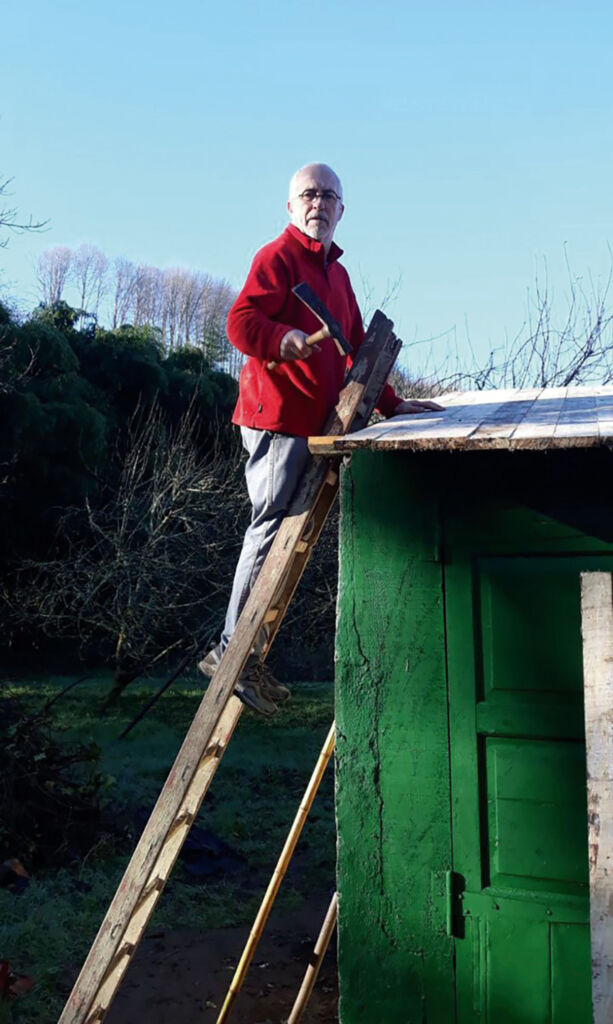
[(518, 898)]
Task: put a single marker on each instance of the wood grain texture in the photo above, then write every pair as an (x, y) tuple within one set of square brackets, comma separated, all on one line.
[(597, 628), (605, 415), (521, 419)]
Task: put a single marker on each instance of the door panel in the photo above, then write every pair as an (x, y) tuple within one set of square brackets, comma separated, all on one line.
[(524, 971), (518, 972), (524, 602), (518, 785), (536, 812), (571, 973)]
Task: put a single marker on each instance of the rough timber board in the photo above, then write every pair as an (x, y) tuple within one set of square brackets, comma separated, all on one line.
[(605, 415), (544, 417), (582, 419), (508, 416), (597, 628), (515, 419)]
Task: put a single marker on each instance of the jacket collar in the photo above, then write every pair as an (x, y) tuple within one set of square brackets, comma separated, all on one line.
[(313, 245)]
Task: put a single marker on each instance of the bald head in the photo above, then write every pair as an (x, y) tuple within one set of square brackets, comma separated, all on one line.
[(318, 171), (315, 203)]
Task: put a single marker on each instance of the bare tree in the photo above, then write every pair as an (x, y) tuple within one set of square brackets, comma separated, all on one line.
[(124, 291), (368, 302), (143, 573), (188, 307), (53, 268), (578, 351), (9, 215), (212, 337), (549, 350), (186, 295), (173, 287), (196, 290), (88, 271), (148, 298)]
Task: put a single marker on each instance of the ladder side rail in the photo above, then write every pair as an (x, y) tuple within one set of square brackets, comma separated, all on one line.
[(201, 746), (162, 867)]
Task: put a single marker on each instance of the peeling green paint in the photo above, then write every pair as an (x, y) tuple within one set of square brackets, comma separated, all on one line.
[(393, 783), (460, 806)]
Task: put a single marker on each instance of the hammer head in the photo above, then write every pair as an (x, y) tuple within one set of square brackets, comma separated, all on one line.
[(305, 293)]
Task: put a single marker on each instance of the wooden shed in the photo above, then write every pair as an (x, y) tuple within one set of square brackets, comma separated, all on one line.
[(461, 774)]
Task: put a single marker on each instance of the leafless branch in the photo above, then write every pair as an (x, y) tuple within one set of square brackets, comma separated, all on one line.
[(141, 574), (9, 216)]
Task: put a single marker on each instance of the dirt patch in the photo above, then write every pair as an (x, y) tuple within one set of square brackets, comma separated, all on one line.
[(182, 976)]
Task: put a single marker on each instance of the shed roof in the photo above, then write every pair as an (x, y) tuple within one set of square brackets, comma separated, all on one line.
[(520, 418)]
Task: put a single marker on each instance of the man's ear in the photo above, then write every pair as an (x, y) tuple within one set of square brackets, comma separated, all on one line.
[(342, 211)]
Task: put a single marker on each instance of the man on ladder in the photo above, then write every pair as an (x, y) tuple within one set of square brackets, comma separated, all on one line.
[(287, 388)]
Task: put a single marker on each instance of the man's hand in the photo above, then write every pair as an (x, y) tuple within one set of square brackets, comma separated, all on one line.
[(293, 346), (411, 406)]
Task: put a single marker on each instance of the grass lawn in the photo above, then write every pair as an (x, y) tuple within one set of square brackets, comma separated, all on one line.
[(47, 930)]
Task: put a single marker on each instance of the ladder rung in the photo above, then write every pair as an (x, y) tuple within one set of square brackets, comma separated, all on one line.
[(219, 711), (126, 949)]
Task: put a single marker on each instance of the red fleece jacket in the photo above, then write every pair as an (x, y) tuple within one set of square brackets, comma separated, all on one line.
[(295, 397)]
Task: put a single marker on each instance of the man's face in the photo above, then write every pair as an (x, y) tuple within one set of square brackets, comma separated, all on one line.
[(316, 217)]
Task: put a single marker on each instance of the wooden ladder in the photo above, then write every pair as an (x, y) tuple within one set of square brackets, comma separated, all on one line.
[(219, 711)]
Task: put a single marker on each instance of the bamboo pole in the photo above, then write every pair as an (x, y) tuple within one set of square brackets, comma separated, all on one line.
[(319, 952), (277, 877)]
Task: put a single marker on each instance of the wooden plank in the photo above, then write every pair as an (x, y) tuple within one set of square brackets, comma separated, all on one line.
[(212, 727), (531, 418), (473, 425), (544, 416), (578, 420), (508, 417), (605, 415), (426, 430), (597, 628)]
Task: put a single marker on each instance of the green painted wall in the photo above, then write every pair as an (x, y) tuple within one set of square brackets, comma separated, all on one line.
[(459, 715), (393, 802)]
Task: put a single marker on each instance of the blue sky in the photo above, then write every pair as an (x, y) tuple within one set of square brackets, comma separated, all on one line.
[(474, 141)]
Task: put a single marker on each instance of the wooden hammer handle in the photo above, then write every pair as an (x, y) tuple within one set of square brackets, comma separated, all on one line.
[(312, 339)]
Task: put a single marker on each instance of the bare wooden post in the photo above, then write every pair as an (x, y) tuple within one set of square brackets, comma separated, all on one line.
[(597, 628)]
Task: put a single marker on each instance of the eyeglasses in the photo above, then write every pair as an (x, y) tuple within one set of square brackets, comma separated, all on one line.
[(311, 194)]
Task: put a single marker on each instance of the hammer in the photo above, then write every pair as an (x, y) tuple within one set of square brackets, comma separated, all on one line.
[(331, 327)]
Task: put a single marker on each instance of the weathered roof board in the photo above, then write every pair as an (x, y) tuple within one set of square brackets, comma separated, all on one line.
[(528, 418)]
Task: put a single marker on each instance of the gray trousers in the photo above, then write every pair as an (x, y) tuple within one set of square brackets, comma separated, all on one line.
[(275, 464)]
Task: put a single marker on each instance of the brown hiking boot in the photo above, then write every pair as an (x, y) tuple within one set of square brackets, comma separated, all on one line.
[(272, 688), (250, 688)]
